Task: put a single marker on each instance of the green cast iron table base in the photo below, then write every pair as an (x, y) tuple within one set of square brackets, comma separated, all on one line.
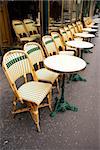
[(76, 77), (87, 51), (62, 107)]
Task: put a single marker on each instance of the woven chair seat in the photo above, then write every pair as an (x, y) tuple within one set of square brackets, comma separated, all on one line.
[(70, 48), (66, 53), (34, 91), (35, 36), (29, 39), (46, 75)]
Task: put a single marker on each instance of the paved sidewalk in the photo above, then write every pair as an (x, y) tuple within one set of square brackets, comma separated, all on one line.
[(67, 131)]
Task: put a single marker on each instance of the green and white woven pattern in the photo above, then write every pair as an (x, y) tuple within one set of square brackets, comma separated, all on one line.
[(49, 44), (17, 65), (30, 26), (63, 33), (34, 52), (56, 38), (18, 27)]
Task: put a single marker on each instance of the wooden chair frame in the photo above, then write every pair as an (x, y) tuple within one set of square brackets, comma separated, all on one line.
[(69, 34), (75, 27), (31, 28), (38, 64), (21, 31), (63, 34), (54, 50), (72, 30), (60, 42), (32, 107)]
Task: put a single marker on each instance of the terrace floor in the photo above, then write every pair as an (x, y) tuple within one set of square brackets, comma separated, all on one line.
[(68, 130)]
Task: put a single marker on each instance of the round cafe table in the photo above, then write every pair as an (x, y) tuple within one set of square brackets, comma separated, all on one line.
[(94, 26), (80, 45), (84, 35), (64, 64), (89, 30)]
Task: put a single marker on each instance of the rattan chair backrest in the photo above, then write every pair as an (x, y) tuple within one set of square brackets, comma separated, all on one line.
[(19, 28), (90, 20), (78, 26), (35, 53), (64, 34), (58, 40), (81, 26), (49, 45), (71, 28), (87, 21), (75, 27), (30, 26), (68, 32), (16, 64)]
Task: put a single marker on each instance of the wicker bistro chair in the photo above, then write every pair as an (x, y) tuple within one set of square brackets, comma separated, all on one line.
[(31, 28), (79, 26), (75, 27), (31, 92), (92, 22), (60, 44), (49, 45), (68, 32), (36, 56), (21, 31), (64, 35), (88, 22), (67, 36), (72, 30)]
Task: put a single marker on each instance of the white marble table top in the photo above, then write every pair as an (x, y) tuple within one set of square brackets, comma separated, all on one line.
[(95, 26), (64, 63), (84, 35), (79, 44), (89, 30), (96, 20)]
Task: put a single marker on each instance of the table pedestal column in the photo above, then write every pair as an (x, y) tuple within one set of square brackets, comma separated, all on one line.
[(76, 76), (61, 104), (87, 50)]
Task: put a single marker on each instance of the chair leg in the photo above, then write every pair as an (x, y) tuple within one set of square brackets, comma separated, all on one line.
[(35, 115), (14, 106), (57, 85), (49, 96)]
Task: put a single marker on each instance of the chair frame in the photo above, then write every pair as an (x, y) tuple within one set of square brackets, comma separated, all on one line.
[(46, 51), (64, 46), (32, 106), (63, 31), (18, 22), (72, 30), (30, 27), (43, 58), (69, 34)]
